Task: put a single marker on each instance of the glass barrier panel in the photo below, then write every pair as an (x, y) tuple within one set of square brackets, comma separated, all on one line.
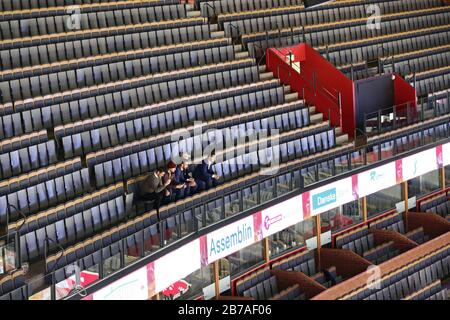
[(246, 258), (250, 197), (214, 211), (293, 237), (44, 294), (357, 159), (342, 217), (428, 136), (110, 263), (325, 170), (309, 175), (341, 164), (152, 239), (297, 180), (90, 274), (187, 222), (8, 256), (442, 131), (132, 247), (283, 184), (199, 213), (384, 200), (423, 185), (170, 230), (232, 206), (387, 149), (65, 281), (266, 189)]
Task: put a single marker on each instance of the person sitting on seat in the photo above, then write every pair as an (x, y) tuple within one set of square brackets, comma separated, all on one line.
[(176, 187), (330, 277), (154, 189), (204, 174), (183, 175)]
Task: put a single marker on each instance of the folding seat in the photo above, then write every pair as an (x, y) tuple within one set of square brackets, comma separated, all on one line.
[(370, 240), (106, 170), (359, 247), (96, 218), (352, 246)]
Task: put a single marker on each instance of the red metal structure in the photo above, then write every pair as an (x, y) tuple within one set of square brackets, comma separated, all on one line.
[(322, 85)]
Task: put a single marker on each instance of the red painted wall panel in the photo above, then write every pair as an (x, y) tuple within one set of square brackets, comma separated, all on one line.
[(405, 97), (320, 81)]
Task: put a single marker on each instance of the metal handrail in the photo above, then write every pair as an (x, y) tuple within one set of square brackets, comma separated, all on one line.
[(320, 89), (432, 84), (364, 134), (278, 71), (46, 251), (393, 109), (232, 26), (207, 4), (262, 50), (382, 61), (7, 220)]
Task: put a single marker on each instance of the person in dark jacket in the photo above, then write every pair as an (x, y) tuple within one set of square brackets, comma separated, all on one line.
[(330, 277), (154, 189), (204, 174), (176, 187), (183, 175)]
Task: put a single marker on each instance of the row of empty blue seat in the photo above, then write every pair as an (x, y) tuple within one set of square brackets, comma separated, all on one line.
[(10, 5), (69, 223), (74, 20), (79, 78)]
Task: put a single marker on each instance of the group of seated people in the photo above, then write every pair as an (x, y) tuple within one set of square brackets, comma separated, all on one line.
[(177, 181)]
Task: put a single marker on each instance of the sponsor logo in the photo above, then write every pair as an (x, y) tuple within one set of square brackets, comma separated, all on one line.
[(270, 221), (324, 198), (240, 235), (375, 176), (176, 289)]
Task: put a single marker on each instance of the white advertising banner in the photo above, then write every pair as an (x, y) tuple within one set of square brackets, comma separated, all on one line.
[(419, 164), (281, 216), (446, 153), (131, 287), (331, 196), (177, 265), (376, 179), (229, 239)]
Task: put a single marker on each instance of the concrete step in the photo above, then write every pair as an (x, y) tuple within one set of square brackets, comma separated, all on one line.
[(238, 47), (342, 139), (218, 34), (291, 97), (338, 131), (287, 89), (316, 118), (214, 27), (265, 76), (262, 69), (189, 7), (242, 55), (193, 14), (312, 110)]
